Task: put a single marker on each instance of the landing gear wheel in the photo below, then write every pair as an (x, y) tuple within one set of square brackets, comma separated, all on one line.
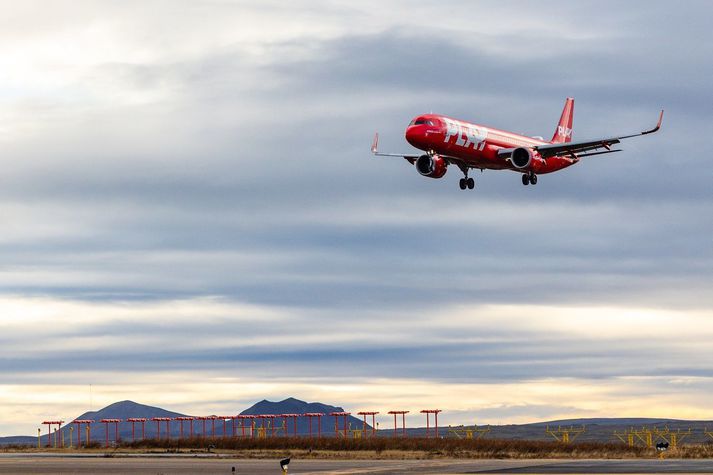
[(533, 179), (462, 183), (525, 179), (471, 183)]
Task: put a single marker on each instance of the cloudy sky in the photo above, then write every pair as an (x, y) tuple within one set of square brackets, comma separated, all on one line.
[(191, 217)]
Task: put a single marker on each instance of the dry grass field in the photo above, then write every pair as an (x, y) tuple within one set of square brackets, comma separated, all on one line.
[(385, 448)]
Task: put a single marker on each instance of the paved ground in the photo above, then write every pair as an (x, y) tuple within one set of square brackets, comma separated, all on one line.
[(45, 464), (614, 466)]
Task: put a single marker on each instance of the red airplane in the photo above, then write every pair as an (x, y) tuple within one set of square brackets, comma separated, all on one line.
[(448, 141)]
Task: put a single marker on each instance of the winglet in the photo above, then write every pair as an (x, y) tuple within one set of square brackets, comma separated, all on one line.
[(658, 125), (375, 143)]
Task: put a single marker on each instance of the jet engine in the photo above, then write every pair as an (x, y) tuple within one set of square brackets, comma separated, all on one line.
[(521, 157), (431, 166)]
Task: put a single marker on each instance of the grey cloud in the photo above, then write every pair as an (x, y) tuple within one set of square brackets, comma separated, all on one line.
[(401, 347)]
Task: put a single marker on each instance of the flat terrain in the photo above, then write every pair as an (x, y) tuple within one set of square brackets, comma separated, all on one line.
[(51, 463)]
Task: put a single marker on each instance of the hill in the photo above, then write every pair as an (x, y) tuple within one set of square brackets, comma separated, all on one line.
[(126, 409), (18, 440), (596, 429), (295, 406), (118, 410)]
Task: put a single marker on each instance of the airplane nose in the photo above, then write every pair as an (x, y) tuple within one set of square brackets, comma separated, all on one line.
[(412, 135)]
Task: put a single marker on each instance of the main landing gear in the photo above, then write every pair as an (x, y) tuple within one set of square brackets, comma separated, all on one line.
[(529, 179), (466, 182)]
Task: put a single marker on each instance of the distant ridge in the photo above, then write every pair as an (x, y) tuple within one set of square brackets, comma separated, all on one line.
[(635, 421), (118, 410)]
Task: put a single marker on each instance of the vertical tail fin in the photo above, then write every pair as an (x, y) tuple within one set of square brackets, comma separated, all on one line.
[(563, 132)]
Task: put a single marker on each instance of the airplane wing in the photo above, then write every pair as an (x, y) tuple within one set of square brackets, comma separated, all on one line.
[(574, 149), (374, 149), (410, 157)]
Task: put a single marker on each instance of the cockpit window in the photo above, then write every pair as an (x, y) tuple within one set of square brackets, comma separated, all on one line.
[(422, 121)]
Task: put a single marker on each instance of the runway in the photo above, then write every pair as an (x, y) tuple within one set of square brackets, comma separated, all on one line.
[(156, 464)]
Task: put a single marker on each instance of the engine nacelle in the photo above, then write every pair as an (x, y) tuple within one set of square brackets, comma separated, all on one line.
[(521, 157), (431, 166)]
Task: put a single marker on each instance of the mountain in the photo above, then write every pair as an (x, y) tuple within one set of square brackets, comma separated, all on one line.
[(295, 406), (289, 406), (119, 410), (126, 409)]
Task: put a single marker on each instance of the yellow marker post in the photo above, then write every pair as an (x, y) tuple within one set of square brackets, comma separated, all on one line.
[(39, 436), (562, 434), (645, 435), (71, 436), (673, 437)]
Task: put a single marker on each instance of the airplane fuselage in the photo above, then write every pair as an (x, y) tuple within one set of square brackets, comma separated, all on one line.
[(476, 145)]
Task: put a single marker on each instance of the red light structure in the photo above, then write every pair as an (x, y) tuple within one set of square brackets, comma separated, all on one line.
[(337, 415), (133, 421), (212, 425), (232, 419), (403, 422), (428, 412), (373, 421), (106, 423), (271, 424), (294, 423), (185, 418), (79, 423), (228, 432), (203, 418), (225, 424), (242, 418), (50, 425), (310, 416), (158, 421), (261, 430), (258, 429)]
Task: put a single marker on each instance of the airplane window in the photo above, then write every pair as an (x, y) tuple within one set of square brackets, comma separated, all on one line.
[(419, 122)]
